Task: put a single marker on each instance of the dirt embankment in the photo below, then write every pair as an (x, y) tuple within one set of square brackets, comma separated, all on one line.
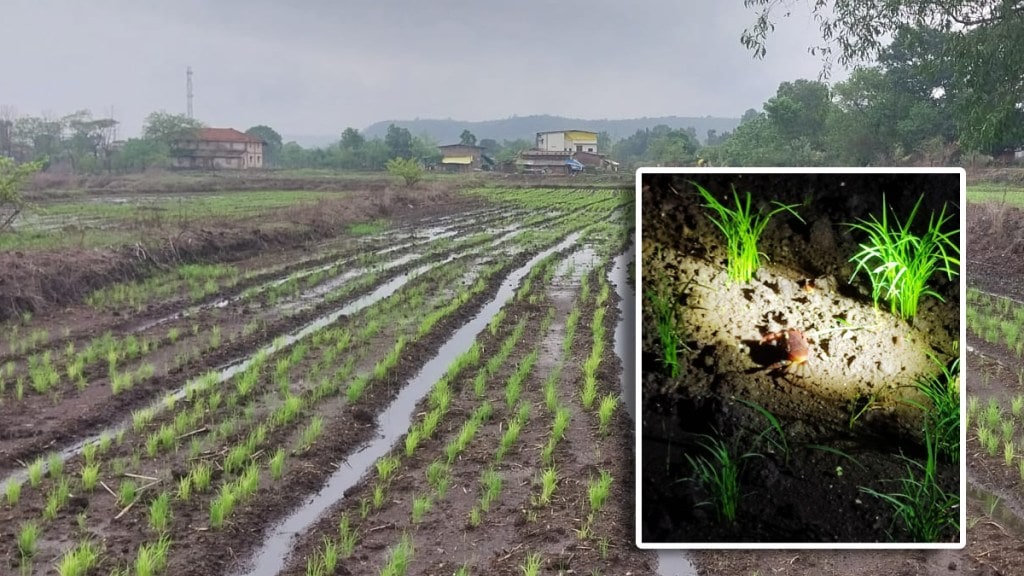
[(37, 281)]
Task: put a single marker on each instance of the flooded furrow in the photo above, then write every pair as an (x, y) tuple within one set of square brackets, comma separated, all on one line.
[(626, 345), (392, 424)]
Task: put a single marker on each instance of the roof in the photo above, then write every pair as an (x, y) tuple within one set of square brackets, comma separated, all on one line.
[(226, 135), (462, 146), (564, 131), (457, 160)]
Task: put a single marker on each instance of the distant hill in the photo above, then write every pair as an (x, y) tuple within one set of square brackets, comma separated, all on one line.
[(448, 131), (312, 140)]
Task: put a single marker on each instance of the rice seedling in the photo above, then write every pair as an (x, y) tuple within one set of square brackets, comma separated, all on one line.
[(28, 537), (386, 467), (379, 493), (277, 464), (90, 476), (12, 491), (151, 558), (1016, 405), (742, 228), (55, 464), (925, 510), (420, 506), (310, 433), (399, 558), (475, 516), (80, 560), (899, 263), (222, 506), (942, 418), (491, 481), (549, 481), (993, 413), (1008, 449), (598, 490), (718, 473), (561, 423), (531, 566), (35, 472), (127, 491), (605, 411), (160, 512), (412, 440)]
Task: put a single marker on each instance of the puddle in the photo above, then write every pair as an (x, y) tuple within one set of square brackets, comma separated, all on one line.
[(670, 562), (230, 369), (391, 425), (578, 264), (999, 506)]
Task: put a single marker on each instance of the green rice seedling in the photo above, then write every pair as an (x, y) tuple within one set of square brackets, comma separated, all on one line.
[(412, 440), (90, 476), (1016, 405), (277, 464), (56, 465), (1008, 429), (356, 387), (551, 389), (12, 490), (80, 560), (605, 411), (718, 473), (127, 491), (589, 393), (1008, 450), (742, 228), (311, 432), (668, 334), (462, 571), (993, 413), (221, 507), (598, 490), (531, 566), (379, 493), (28, 537), (777, 440), (57, 498), (430, 422), (347, 537), (942, 415), (151, 558), (386, 467), (441, 395), (900, 263), (329, 555), (491, 481), (549, 481), (475, 516), (35, 471), (420, 506), (185, 488), (561, 423), (920, 504), (160, 512), (399, 558), (1020, 468)]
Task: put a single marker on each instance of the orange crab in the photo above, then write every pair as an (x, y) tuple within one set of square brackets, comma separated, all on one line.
[(792, 344)]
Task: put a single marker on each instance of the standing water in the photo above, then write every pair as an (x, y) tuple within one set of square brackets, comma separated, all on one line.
[(391, 425), (670, 562)]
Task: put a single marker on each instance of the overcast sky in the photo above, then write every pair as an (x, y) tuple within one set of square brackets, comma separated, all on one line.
[(317, 66)]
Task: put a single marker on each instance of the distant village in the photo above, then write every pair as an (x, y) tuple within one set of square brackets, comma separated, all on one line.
[(564, 152)]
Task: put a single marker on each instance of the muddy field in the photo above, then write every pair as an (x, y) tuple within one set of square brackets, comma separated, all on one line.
[(437, 393)]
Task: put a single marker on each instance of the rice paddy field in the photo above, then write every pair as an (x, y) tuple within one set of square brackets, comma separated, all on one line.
[(421, 393)]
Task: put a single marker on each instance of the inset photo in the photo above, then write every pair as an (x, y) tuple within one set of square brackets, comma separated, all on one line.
[(799, 354)]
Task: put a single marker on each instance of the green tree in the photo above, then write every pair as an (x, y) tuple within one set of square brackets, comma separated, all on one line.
[(170, 128), (12, 177), (139, 154), (604, 142), (398, 141), (351, 139), (981, 40), (272, 143), (467, 138), (406, 168)]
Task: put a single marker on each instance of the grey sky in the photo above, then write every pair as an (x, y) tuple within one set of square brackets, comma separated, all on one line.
[(317, 66)]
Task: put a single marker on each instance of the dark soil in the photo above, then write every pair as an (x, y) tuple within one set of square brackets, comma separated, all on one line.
[(804, 491)]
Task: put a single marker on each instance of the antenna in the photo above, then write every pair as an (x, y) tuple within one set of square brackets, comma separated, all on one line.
[(188, 89)]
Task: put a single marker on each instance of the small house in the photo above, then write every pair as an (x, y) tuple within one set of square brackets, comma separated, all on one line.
[(464, 158), (218, 148), (567, 141)]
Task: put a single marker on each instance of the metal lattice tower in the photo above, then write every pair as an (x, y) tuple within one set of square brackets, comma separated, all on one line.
[(188, 89)]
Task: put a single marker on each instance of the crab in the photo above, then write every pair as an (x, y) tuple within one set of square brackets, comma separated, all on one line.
[(792, 345)]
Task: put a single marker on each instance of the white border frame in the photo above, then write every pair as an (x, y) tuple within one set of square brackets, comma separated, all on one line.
[(638, 420)]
